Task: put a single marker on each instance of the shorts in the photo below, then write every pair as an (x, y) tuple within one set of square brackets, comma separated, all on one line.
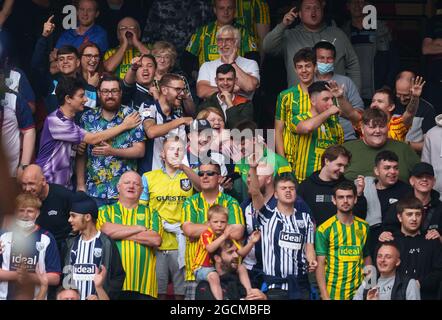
[(167, 268), (202, 273), (190, 290)]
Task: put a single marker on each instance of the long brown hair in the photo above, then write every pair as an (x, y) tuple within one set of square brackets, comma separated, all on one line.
[(100, 67)]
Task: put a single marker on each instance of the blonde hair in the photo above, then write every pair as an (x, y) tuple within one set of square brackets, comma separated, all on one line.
[(204, 114), (165, 46), (27, 200), (217, 209)]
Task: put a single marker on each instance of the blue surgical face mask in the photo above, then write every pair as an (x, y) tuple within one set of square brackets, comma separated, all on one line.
[(325, 68)]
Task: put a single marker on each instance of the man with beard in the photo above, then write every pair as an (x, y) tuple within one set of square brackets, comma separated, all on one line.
[(138, 83), (56, 203), (61, 135), (374, 140), (162, 117), (317, 190), (104, 163), (28, 249), (342, 248), (425, 114), (236, 108), (226, 261)]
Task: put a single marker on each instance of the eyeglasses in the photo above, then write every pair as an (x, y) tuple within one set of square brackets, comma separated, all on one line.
[(225, 40), (106, 92), (165, 57), (91, 56), (209, 173), (128, 28), (178, 89)]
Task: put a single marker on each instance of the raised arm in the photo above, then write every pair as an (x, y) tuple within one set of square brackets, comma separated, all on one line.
[(347, 110), (274, 41), (131, 121), (416, 91), (154, 130), (309, 125), (131, 75), (258, 200), (253, 239), (111, 63)]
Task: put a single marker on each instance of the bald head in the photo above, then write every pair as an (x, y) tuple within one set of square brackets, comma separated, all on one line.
[(33, 170), (125, 27), (403, 86), (129, 187), (34, 182)]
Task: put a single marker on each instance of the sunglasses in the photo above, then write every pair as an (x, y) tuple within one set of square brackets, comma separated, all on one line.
[(209, 173)]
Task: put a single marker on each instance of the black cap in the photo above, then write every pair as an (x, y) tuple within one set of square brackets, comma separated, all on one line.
[(83, 204), (422, 168), (200, 125)]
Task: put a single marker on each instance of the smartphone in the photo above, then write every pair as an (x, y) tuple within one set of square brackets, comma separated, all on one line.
[(156, 84), (233, 176)]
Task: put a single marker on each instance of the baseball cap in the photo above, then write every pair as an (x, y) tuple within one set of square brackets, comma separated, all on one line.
[(83, 204), (422, 168), (199, 125)]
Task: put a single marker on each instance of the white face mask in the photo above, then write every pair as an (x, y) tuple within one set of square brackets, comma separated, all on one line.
[(25, 225)]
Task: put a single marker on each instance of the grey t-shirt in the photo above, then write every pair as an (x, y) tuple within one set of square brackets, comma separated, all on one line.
[(385, 286)]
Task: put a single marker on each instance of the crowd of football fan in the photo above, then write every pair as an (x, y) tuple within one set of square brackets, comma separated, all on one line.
[(147, 167)]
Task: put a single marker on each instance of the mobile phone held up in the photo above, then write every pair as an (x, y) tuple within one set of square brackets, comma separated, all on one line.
[(233, 176)]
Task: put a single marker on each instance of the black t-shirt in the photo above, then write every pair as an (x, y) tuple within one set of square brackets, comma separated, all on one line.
[(54, 212), (390, 196), (230, 284), (421, 259), (432, 218)]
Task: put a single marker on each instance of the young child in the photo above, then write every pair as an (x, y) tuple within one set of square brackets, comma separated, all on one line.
[(210, 240)]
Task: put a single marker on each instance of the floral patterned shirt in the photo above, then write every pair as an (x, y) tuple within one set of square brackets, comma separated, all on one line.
[(103, 172)]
